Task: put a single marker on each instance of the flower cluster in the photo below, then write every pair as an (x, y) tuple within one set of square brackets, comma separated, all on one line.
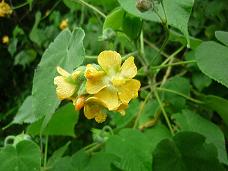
[(5, 9), (98, 88)]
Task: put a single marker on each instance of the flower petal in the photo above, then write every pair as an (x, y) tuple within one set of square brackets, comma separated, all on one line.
[(92, 73), (100, 117), (64, 89), (94, 86), (90, 111), (109, 61), (129, 69), (121, 108), (109, 97), (129, 90), (62, 72)]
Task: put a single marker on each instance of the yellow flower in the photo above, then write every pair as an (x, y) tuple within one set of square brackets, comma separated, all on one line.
[(5, 39), (63, 24), (65, 83), (5, 9), (112, 83), (94, 109)]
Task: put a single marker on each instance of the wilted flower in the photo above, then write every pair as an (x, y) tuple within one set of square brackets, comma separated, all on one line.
[(5, 39), (63, 24), (110, 82), (5, 9)]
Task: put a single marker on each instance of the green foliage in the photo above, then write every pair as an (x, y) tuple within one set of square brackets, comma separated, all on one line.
[(212, 60), (61, 123), (20, 158), (178, 122), (187, 151), (190, 121)]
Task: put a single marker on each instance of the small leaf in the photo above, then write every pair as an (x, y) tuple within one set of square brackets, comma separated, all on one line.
[(25, 57), (25, 156), (200, 80), (222, 36), (212, 60), (178, 84), (61, 123), (190, 121), (217, 104)]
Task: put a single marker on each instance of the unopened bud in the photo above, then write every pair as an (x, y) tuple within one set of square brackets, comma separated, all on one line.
[(79, 103), (144, 5)]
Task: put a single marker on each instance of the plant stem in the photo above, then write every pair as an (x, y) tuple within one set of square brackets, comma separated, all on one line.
[(141, 110), (173, 64), (164, 112), (21, 5), (45, 152), (181, 94), (156, 48), (91, 7)]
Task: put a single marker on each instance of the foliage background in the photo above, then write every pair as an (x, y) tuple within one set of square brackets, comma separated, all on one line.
[(201, 130)]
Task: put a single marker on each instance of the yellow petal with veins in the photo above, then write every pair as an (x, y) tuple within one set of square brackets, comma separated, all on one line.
[(62, 72), (109, 61), (64, 89), (94, 86), (128, 91), (100, 117), (109, 97), (129, 69)]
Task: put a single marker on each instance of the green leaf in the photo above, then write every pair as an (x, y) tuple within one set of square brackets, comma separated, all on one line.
[(131, 111), (101, 161), (25, 156), (24, 114), (130, 7), (217, 104), (132, 26), (114, 20), (61, 123), (187, 151), (57, 155), (150, 109), (132, 148), (212, 60), (156, 134), (190, 121), (200, 80), (36, 34), (178, 84), (25, 57), (177, 12), (178, 37), (66, 51), (12, 48), (222, 36)]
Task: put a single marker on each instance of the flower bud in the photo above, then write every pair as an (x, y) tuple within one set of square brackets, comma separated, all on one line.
[(79, 103), (144, 5)]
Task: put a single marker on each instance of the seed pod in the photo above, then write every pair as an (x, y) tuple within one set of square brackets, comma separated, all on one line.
[(144, 5)]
